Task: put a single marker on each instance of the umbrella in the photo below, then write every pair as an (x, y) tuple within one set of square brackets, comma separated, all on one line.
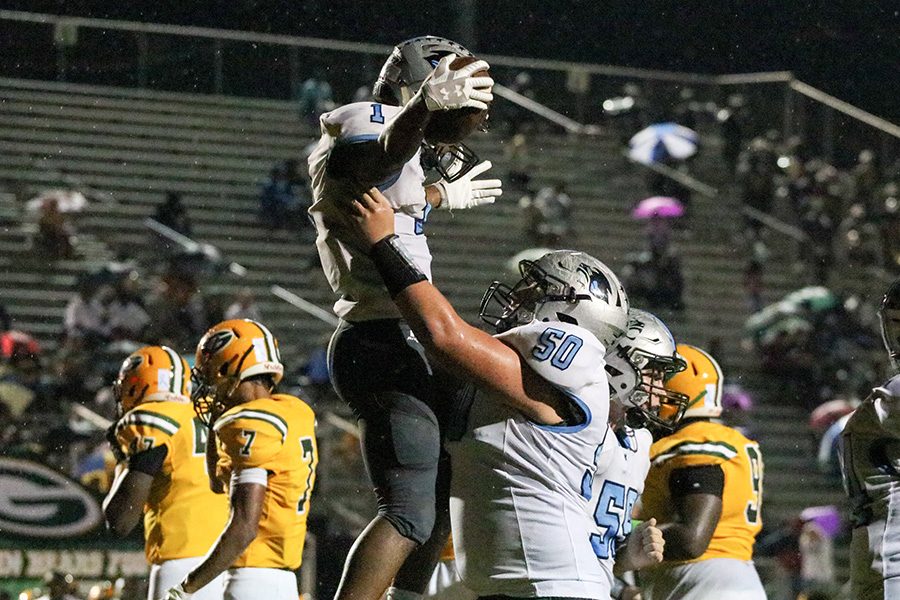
[(66, 201), (828, 412), (816, 298), (658, 206), (734, 397), (827, 517), (661, 141)]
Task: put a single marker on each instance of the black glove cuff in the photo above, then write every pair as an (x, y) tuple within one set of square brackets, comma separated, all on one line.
[(395, 265)]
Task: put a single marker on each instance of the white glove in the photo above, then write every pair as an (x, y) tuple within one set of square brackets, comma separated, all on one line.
[(446, 89), (177, 593), (466, 193)]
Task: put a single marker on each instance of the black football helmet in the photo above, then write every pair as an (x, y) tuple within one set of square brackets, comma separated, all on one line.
[(889, 315)]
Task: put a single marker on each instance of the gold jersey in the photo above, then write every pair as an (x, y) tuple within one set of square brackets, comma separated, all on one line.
[(707, 443), (182, 517), (276, 434)]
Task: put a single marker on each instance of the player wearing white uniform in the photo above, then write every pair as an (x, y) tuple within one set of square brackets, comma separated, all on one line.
[(637, 367), (533, 416), (870, 462), (375, 364)]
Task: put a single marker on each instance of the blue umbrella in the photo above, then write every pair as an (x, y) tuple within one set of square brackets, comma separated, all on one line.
[(661, 141)]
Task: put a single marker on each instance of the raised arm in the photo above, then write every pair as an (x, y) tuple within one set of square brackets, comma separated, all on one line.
[(371, 162), (488, 362)]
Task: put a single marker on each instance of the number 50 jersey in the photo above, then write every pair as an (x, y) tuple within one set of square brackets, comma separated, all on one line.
[(278, 435), (520, 522), (706, 443)]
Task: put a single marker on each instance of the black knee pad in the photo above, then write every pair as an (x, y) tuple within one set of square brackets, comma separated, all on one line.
[(402, 448)]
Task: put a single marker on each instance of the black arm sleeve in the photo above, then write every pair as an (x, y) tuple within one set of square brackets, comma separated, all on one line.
[(148, 461), (706, 479)]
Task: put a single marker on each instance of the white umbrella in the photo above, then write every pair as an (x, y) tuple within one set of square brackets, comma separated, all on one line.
[(661, 141)]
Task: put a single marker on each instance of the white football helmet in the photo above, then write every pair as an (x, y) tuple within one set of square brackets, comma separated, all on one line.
[(563, 285), (648, 346)]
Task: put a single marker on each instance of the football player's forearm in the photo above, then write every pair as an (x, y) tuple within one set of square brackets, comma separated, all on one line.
[(229, 547), (683, 542), (403, 135)]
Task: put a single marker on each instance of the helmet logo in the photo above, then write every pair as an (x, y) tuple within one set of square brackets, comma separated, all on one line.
[(217, 341), (598, 285), (164, 380), (131, 363)]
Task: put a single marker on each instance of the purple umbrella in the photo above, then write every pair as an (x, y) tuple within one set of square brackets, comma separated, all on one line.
[(826, 517), (734, 397), (658, 206)]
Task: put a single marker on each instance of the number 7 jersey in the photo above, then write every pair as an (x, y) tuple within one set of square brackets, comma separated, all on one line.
[(276, 434), (704, 443)]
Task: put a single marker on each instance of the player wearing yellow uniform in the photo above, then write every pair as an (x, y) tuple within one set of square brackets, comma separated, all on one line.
[(705, 489), (162, 471), (264, 448)]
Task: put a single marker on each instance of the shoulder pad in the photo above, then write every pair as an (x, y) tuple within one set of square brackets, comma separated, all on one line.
[(251, 437), (142, 429), (567, 356), (360, 121)]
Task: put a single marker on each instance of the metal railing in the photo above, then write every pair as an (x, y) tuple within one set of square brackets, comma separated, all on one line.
[(183, 58)]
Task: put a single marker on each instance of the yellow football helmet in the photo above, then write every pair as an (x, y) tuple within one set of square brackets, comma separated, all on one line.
[(701, 382), (229, 353), (153, 373)]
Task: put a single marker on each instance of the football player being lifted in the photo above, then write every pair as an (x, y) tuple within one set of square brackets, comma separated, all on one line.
[(262, 450), (870, 462), (530, 413), (637, 366), (425, 103), (705, 488), (161, 473)]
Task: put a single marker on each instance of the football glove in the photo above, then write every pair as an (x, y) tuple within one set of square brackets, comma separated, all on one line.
[(446, 89), (467, 192), (114, 443), (177, 593)]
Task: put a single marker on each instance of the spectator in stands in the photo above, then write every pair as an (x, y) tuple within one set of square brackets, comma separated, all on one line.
[(755, 174), (285, 197), (753, 285), (517, 157), (173, 214), (243, 307), (126, 317), (314, 97), (548, 217), (20, 373), (177, 317), (5, 320), (85, 315), (732, 120), (888, 220), (60, 586), (54, 237), (866, 180)]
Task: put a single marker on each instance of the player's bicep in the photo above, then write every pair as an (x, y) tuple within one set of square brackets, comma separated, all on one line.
[(697, 495)]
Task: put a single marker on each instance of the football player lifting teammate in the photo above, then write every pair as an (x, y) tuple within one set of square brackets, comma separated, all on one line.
[(262, 449), (705, 488), (161, 474), (529, 415), (431, 93)]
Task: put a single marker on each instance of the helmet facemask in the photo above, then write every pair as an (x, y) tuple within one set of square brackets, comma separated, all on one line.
[(450, 161), (515, 306), (211, 395)]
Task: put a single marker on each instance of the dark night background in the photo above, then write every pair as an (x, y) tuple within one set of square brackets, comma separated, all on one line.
[(850, 49)]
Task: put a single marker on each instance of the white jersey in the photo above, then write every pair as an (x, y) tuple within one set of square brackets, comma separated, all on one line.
[(346, 263), (870, 462), (622, 466), (520, 521)]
